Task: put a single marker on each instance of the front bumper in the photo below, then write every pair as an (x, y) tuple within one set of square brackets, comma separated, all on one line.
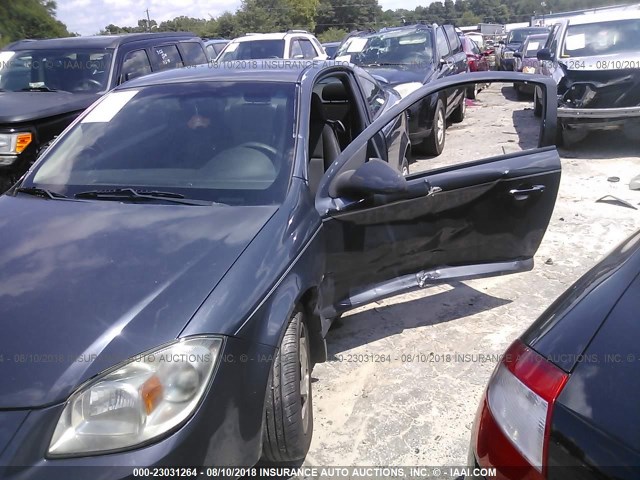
[(225, 430), (599, 113)]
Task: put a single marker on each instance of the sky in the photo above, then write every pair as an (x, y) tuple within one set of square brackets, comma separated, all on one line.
[(88, 17)]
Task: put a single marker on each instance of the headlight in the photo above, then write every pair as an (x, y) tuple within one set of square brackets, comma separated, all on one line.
[(405, 89), (138, 400), (13, 143), (507, 54)]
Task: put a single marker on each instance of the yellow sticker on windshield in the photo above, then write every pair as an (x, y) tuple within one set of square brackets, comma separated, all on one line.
[(109, 107)]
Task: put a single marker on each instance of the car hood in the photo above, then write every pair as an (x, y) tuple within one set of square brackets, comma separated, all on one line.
[(513, 46), (86, 285), (19, 107), (396, 76)]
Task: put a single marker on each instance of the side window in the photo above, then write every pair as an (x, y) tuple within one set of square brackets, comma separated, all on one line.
[(193, 53), (135, 64), (441, 43), (165, 57), (474, 47), (296, 49), (454, 40), (373, 94), (307, 49)]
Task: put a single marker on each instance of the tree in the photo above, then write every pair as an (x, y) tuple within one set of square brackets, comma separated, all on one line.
[(29, 19), (347, 14)]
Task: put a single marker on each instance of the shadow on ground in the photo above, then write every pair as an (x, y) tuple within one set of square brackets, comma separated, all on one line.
[(387, 320)]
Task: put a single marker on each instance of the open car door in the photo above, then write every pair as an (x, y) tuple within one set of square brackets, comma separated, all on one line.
[(386, 234)]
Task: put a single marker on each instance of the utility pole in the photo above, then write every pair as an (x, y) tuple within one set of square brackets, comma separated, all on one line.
[(148, 21)]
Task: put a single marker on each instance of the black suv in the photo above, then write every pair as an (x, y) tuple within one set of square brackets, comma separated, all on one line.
[(406, 58), (46, 84)]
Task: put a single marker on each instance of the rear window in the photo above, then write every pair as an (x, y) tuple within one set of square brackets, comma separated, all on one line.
[(228, 142), (253, 49), (602, 38)]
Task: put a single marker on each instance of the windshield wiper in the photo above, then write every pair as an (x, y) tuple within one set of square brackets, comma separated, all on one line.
[(38, 89), (41, 192), (143, 195)]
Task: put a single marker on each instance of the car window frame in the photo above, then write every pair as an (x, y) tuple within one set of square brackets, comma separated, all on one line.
[(442, 56), (153, 54), (451, 34)]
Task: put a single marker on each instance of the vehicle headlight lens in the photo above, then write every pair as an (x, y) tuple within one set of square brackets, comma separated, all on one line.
[(405, 89), (138, 400), (14, 143), (507, 54)]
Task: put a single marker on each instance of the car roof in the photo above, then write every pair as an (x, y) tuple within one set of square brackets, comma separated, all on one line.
[(600, 17), (537, 36), (94, 41), (541, 29), (271, 36), (274, 70)]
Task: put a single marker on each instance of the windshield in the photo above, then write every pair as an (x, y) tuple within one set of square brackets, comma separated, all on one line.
[(602, 38), (228, 142), (520, 35), (534, 43), (391, 48), (71, 70), (253, 49)]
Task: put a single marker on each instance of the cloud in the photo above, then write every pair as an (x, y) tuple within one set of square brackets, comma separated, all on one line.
[(88, 17)]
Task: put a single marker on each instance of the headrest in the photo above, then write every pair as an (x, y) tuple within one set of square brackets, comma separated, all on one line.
[(335, 92)]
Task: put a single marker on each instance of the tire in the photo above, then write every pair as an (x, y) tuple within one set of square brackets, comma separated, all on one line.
[(458, 114), (288, 421), (537, 106), (434, 144), (471, 92)]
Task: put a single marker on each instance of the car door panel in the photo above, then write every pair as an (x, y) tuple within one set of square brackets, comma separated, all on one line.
[(467, 220), (475, 219)]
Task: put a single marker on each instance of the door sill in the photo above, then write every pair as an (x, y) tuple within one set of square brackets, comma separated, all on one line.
[(426, 278)]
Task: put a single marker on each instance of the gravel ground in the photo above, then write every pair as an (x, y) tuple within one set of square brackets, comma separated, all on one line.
[(420, 412)]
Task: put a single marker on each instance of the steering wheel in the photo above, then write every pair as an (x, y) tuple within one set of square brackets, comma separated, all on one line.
[(261, 147), (88, 82)]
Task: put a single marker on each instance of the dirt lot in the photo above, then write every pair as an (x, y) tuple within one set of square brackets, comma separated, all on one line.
[(420, 413)]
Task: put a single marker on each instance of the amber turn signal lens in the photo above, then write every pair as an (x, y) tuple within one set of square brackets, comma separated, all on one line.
[(22, 141), (151, 393)]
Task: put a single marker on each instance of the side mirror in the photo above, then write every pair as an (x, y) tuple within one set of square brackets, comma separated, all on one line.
[(375, 177), (544, 54), (517, 55), (501, 42)]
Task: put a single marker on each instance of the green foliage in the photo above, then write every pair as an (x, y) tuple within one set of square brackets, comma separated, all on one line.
[(29, 19), (332, 35), (329, 19)]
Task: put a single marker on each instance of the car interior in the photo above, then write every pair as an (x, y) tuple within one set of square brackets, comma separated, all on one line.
[(333, 124)]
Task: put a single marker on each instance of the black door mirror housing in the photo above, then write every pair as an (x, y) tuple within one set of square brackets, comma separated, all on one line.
[(544, 54), (375, 177), (517, 55)]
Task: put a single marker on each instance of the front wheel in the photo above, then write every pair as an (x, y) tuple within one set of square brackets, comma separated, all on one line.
[(288, 422), (537, 104), (434, 144)]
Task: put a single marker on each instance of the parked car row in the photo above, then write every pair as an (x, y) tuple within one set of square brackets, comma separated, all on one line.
[(138, 229)]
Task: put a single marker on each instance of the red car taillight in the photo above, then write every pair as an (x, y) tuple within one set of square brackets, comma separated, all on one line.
[(471, 61), (515, 415)]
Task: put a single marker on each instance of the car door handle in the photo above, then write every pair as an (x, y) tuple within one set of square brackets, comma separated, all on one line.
[(518, 192)]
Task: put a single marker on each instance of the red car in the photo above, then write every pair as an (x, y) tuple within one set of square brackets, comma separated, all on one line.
[(476, 60)]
